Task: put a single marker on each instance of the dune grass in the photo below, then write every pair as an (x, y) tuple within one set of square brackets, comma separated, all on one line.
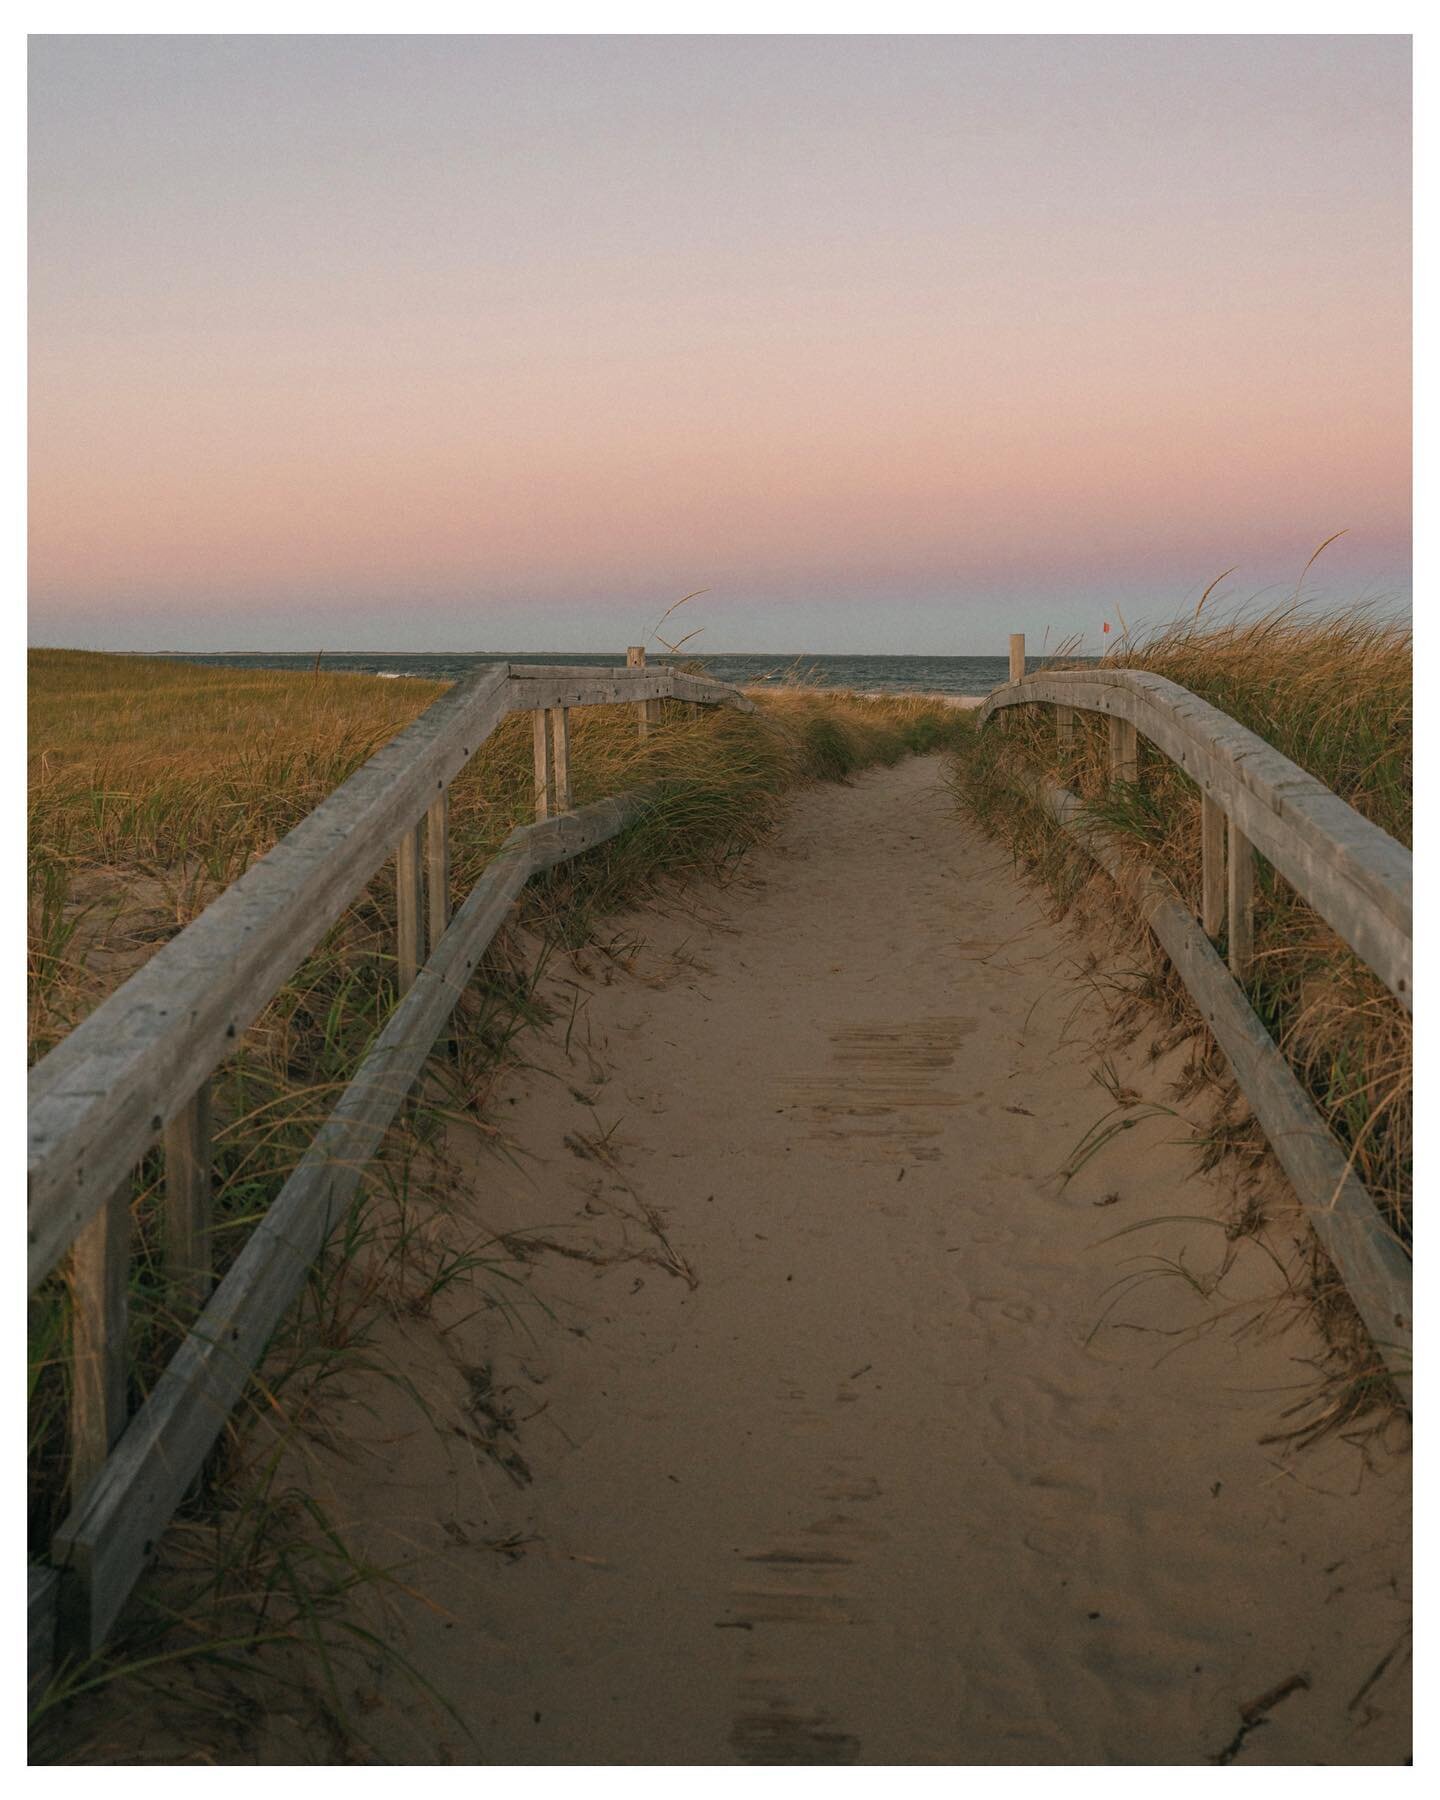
[(1334, 694), (153, 784)]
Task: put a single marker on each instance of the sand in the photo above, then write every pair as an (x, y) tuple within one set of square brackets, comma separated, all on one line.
[(814, 1458)]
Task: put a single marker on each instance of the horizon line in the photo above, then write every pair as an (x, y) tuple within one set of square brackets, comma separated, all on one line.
[(95, 650)]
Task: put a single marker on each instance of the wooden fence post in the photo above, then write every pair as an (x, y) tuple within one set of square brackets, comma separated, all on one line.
[(560, 746), (1124, 750), (1017, 655), (409, 917), (1064, 729), (1240, 876), (437, 865), (544, 763), (1212, 866), (188, 1201), (635, 659), (99, 1312)]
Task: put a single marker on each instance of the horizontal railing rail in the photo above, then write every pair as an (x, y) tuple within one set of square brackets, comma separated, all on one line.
[(138, 1070), (1356, 876)]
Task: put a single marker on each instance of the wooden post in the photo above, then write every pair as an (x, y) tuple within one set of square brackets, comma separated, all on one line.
[(560, 745), (409, 917), (1017, 655), (635, 659), (437, 865), (1124, 750), (1241, 893), (1064, 729), (99, 1303), (1212, 866), (544, 763), (188, 1201)]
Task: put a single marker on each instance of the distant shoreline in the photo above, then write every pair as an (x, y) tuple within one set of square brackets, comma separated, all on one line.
[(659, 656), (911, 672)]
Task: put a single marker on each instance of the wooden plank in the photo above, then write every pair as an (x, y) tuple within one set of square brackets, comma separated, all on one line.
[(544, 763), (107, 1539), (1355, 875), (704, 692), (588, 672), (1368, 1257), (1064, 728), (100, 1317), (409, 910), (103, 1095), (437, 866), (560, 749), (1124, 751), (1212, 860), (535, 685), (573, 833), (613, 687), (1017, 655), (188, 1164), (40, 1635), (1239, 899)]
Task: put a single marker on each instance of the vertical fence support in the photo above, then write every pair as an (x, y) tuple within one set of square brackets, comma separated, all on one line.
[(647, 711), (1064, 729), (99, 1310), (544, 763), (1212, 866), (635, 659), (1241, 892), (409, 917), (1017, 669), (1124, 750), (188, 1201), (560, 746), (437, 866)]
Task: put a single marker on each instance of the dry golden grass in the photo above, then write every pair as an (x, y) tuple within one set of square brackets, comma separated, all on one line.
[(1334, 694)]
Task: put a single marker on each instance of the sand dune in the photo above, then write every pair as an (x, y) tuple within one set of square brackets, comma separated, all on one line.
[(812, 1457)]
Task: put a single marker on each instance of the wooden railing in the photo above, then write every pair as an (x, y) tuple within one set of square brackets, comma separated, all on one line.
[(138, 1071), (1352, 873)]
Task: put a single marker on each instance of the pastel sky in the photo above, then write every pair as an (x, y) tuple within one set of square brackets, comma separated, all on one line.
[(889, 343)]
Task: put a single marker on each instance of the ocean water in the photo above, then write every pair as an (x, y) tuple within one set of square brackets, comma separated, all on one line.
[(970, 675)]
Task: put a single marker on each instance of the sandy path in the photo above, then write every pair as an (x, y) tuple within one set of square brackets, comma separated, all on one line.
[(863, 1493)]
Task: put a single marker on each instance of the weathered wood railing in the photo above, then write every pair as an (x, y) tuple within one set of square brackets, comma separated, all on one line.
[(137, 1071), (1355, 876)]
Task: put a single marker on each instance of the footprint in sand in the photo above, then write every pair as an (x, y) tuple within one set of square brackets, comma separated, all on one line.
[(992, 1308)]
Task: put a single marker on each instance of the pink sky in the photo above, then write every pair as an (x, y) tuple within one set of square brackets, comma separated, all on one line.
[(890, 343)]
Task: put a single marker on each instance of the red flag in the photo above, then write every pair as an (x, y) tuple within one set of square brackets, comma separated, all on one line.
[(1105, 626)]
